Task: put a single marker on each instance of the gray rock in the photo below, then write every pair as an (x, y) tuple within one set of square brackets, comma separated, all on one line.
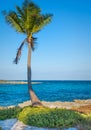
[(71, 129), (20, 126), (7, 124), (14, 124)]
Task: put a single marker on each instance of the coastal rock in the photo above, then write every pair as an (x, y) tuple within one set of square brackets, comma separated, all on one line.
[(14, 124), (20, 126), (7, 124), (57, 104), (67, 105), (83, 101), (24, 104), (1, 107)]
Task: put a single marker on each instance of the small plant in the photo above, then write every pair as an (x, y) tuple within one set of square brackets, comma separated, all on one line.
[(9, 113)]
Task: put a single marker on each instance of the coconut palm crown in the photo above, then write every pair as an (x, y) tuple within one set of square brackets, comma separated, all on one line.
[(28, 20)]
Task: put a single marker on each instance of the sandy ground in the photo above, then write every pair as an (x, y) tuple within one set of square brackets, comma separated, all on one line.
[(80, 105)]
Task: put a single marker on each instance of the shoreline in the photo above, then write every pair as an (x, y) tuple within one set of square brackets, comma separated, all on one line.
[(56, 104)]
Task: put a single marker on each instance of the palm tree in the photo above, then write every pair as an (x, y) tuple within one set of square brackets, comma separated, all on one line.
[(28, 20)]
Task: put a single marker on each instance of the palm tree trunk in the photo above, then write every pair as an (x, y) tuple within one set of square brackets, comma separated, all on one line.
[(34, 99)]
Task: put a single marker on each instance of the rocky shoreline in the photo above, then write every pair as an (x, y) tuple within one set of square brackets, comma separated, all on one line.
[(57, 104)]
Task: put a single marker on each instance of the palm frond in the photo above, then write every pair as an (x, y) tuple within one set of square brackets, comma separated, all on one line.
[(31, 10), (19, 52), (22, 17), (14, 21), (41, 21), (47, 18), (27, 19), (20, 12), (28, 4)]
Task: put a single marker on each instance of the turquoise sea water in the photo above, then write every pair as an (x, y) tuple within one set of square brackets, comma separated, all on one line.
[(12, 94)]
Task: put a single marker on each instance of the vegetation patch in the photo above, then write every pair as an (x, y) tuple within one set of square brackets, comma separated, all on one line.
[(9, 113), (47, 117), (52, 118)]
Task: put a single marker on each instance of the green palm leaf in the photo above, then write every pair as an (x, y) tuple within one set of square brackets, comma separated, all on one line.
[(28, 18), (13, 19), (40, 22)]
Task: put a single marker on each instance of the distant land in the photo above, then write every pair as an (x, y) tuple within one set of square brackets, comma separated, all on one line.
[(16, 82)]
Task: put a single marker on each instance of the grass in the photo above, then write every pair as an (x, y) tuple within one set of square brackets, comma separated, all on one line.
[(46, 117), (9, 113)]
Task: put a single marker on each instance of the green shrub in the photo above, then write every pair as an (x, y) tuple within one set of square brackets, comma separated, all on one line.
[(0, 128), (46, 117), (9, 113), (53, 118)]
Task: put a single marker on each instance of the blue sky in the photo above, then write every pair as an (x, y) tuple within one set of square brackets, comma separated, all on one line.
[(63, 50)]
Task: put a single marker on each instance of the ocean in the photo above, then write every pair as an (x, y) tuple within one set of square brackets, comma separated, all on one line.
[(13, 94)]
